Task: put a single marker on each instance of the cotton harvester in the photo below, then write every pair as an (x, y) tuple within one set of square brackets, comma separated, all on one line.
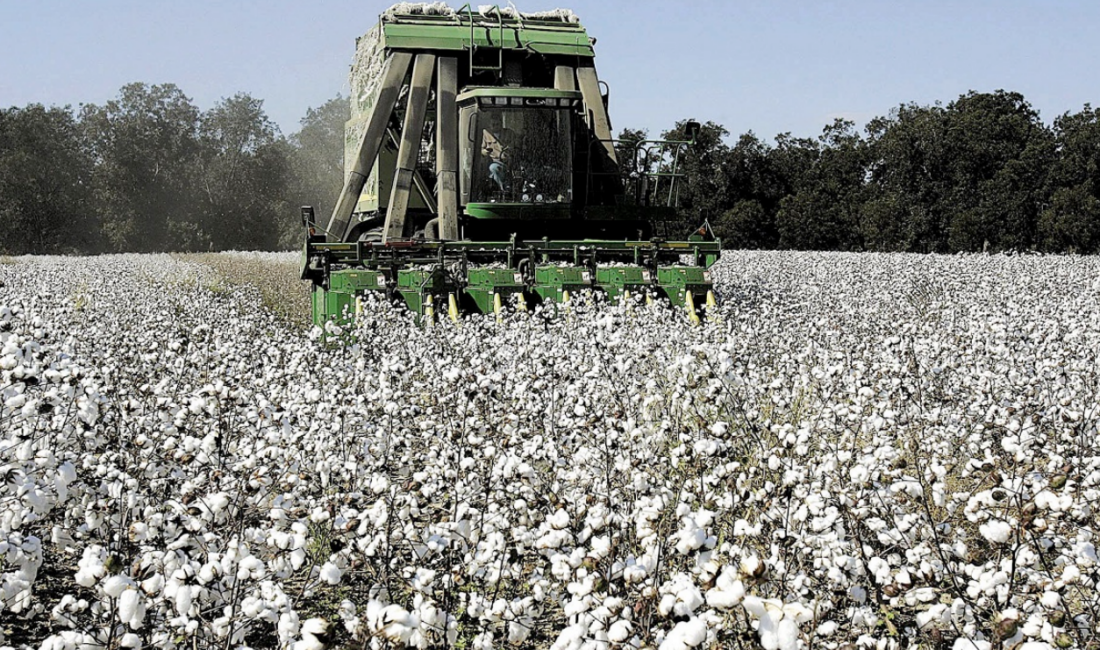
[(481, 175)]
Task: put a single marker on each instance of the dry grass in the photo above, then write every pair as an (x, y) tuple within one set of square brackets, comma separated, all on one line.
[(276, 278)]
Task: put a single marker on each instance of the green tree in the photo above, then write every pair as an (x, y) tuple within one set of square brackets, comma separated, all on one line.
[(44, 175), (823, 212), (144, 146), (1000, 153), (243, 172), (910, 180), (317, 162), (1071, 222), (704, 188), (756, 189)]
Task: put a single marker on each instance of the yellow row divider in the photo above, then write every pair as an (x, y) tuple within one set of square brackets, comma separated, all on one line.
[(689, 302), (452, 307)]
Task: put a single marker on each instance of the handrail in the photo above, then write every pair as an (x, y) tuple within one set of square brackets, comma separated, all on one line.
[(654, 152), (473, 43)]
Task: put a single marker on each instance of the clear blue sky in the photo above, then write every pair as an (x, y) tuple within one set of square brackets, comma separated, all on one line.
[(766, 65)]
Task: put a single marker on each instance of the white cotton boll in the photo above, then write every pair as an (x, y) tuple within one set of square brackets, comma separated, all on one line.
[(571, 638), (996, 531), (1050, 599), (183, 600), (297, 558), (153, 584), (114, 585), (787, 635), (827, 628), (396, 624), (128, 603), (86, 577), (559, 519), (518, 632), (751, 566), (331, 573), (1034, 645), (920, 595), (932, 615), (754, 605), (963, 643), (207, 574), (217, 502), (1071, 574), (422, 579), (288, 626), (688, 634), (130, 640), (797, 612), (690, 539), (314, 628), (728, 591), (768, 629), (726, 598), (619, 631)]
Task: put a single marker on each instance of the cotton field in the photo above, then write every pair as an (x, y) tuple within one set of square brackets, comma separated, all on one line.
[(859, 451)]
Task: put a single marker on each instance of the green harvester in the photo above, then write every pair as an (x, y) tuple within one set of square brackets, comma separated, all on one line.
[(481, 175)]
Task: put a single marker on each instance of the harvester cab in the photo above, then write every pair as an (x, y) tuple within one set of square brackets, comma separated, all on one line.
[(481, 173)]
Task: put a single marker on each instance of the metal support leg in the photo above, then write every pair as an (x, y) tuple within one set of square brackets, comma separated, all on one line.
[(369, 143), (565, 78), (411, 132), (446, 148), (597, 113)]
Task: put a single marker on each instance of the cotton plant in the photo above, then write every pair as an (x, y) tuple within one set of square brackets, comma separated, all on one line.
[(879, 450)]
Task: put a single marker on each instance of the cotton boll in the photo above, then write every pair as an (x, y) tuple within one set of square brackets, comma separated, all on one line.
[(183, 599), (331, 573), (797, 612), (751, 566), (931, 616), (996, 531), (827, 628), (129, 602), (728, 590), (315, 631), (395, 624), (787, 635), (688, 634), (619, 631), (113, 586), (1071, 574), (1050, 599)]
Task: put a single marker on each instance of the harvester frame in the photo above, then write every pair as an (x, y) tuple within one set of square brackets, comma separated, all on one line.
[(523, 199)]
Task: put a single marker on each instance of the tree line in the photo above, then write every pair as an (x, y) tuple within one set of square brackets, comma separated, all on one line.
[(148, 171), (982, 173)]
